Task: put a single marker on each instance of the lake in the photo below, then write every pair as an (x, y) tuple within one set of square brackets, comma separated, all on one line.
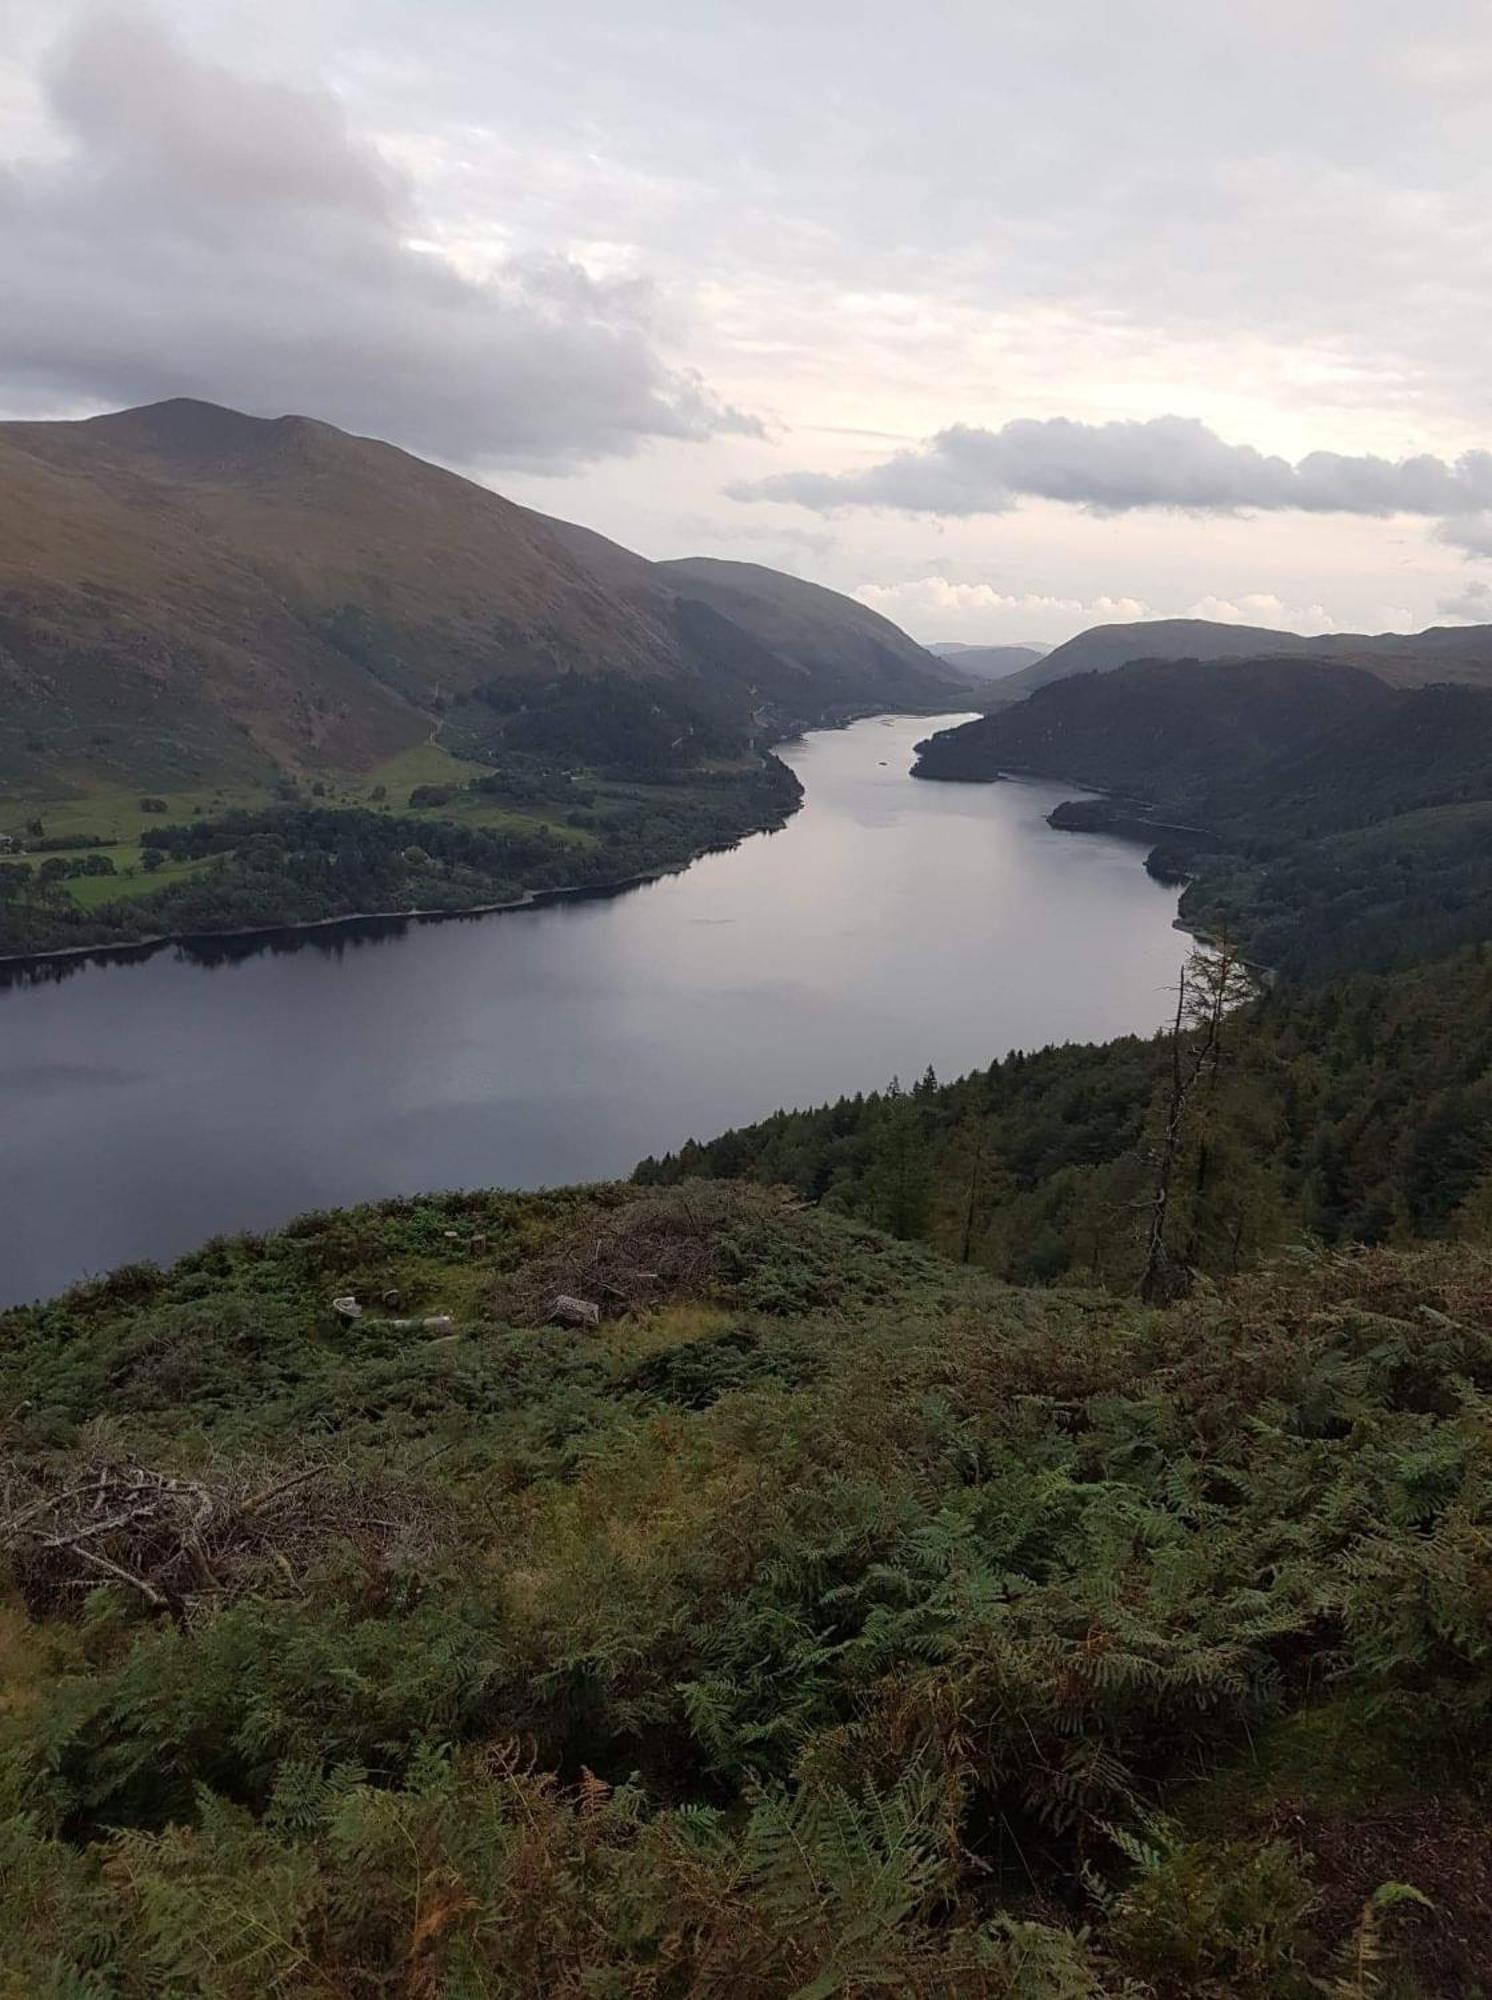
[(892, 924)]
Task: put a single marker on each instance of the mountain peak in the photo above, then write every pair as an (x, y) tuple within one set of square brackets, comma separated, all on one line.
[(187, 434)]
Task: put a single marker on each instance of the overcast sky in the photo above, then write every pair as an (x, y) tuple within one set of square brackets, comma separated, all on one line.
[(1008, 315)]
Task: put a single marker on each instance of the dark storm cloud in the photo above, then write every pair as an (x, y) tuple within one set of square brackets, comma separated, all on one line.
[(1116, 468), (215, 235)]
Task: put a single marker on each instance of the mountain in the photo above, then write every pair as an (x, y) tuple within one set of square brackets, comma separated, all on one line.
[(188, 593), (1443, 652), (990, 663)]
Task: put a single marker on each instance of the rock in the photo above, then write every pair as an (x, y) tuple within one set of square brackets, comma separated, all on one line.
[(575, 1312)]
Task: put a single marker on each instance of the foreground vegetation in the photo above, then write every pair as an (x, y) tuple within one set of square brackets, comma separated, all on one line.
[(829, 1620)]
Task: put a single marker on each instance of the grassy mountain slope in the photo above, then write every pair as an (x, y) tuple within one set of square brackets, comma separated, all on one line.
[(314, 591), (189, 594), (1443, 652), (829, 1621), (818, 637)]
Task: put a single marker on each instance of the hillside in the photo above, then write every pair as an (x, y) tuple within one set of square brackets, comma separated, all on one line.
[(1443, 652), (190, 595), (1357, 1109), (1262, 747), (1159, 728), (837, 649), (1248, 776), (827, 1620)]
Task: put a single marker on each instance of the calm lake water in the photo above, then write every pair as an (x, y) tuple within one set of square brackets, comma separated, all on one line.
[(891, 924)]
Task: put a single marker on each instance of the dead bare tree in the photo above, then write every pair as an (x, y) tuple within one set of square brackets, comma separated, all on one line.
[(1212, 983)]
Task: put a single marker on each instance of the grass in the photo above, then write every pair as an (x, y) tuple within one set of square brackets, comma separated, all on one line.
[(132, 881), (422, 764), (115, 817), (114, 814), (1338, 1754)]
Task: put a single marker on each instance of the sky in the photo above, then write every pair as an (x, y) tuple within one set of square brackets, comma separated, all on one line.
[(1009, 317)]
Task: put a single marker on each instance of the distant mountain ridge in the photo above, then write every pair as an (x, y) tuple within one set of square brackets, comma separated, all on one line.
[(1442, 652), (190, 593), (990, 663)]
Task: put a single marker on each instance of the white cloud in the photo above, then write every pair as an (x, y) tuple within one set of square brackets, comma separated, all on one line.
[(214, 234), (939, 607)]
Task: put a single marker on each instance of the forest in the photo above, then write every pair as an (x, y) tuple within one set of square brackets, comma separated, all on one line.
[(1357, 1111)]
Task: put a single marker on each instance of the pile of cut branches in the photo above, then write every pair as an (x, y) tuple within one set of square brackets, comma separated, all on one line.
[(649, 1250), (179, 1541)]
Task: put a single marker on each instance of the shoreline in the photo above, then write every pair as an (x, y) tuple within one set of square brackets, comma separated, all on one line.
[(18, 961), (1131, 835), (531, 899)]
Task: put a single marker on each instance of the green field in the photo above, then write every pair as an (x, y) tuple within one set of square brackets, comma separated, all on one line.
[(117, 817)]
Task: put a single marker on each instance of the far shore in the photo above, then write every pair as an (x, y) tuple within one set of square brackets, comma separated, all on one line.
[(531, 899)]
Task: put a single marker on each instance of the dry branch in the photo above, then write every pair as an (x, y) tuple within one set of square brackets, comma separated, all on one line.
[(180, 1541)]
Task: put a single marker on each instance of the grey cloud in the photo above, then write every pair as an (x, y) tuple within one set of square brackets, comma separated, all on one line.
[(1307, 174), (214, 235), (1471, 533), (141, 107), (1114, 468), (1473, 603)]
